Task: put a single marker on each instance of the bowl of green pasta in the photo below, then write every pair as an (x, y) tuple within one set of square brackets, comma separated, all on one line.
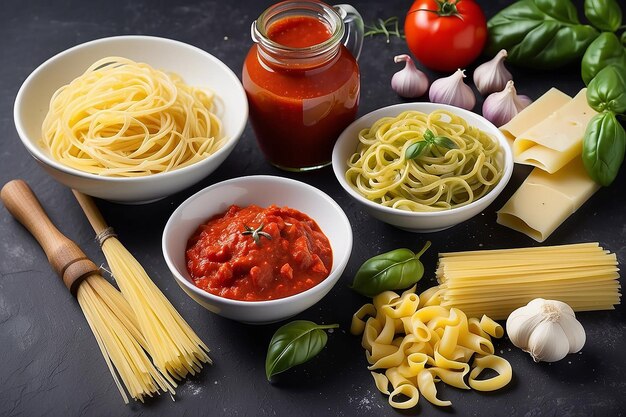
[(423, 167)]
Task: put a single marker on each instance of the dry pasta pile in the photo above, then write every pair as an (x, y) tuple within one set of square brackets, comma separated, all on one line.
[(122, 344), (496, 282), (438, 180), (123, 118), (173, 345), (417, 342)]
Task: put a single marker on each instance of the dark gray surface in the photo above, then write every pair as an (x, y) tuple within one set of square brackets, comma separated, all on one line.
[(50, 363)]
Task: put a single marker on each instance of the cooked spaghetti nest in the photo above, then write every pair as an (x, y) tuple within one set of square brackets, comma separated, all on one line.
[(438, 179), (123, 118)]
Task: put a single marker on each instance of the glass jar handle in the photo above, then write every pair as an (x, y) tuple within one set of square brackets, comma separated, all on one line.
[(353, 36)]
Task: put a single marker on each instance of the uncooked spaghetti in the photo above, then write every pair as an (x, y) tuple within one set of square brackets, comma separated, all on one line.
[(440, 178), (109, 315), (123, 118), (175, 348), (123, 346), (496, 282)]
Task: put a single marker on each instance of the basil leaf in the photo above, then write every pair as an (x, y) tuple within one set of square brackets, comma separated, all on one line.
[(562, 10), (445, 142), (293, 344), (606, 15), (607, 90), (604, 145), (393, 270), (415, 149), (540, 34), (429, 135), (605, 50)]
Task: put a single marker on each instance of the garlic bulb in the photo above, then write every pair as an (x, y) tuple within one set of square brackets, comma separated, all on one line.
[(500, 108), (491, 76), (452, 90), (409, 82), (547, 329)]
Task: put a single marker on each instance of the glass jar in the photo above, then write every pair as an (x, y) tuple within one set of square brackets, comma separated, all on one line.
[(302, 80)]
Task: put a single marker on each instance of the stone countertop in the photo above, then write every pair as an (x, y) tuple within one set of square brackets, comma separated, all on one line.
[(50, 362)]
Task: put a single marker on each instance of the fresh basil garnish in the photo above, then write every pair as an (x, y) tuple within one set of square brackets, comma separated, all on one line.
[(539, 34), (393, 270), (418, 148), (606, 15), (604, 145), (293, 344)]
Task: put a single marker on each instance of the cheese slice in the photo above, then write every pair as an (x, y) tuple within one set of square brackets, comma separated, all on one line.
[(553, 142), (535, 113), (544, 200)]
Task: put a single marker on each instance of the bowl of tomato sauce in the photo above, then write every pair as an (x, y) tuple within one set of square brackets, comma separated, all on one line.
[(257, 249)]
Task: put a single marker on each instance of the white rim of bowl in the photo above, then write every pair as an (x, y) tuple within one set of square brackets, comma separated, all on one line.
[(506, 174), (38, 154), (196, 290)]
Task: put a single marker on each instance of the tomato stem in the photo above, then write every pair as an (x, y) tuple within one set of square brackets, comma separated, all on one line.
[(444, 8)]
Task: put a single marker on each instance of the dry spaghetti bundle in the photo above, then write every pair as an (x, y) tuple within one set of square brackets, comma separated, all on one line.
[(121, 343), (107, 312), (175, 348), (496, 282)]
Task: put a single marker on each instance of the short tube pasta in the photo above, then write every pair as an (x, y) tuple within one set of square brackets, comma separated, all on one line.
[(439, 178)]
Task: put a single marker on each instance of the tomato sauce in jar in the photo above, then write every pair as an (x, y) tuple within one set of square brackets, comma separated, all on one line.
[(288, 253), (303, 88)]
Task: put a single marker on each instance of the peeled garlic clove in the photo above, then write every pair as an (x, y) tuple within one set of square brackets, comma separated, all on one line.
[(453, 90), (492, 76), (500, 108), (548, 342), (409, 82)]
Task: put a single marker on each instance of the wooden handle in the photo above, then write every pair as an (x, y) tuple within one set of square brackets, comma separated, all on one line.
[(67, 259), (91, 211)]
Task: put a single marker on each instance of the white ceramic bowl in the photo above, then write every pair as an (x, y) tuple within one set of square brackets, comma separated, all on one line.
[(407, 220), (262, 191), (195, 66)]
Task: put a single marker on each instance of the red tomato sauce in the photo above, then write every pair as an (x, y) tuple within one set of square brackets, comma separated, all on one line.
[(292, 256), (299, 110), (298, 32)]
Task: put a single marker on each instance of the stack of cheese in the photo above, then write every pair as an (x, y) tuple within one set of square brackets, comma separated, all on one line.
[(548, 134)]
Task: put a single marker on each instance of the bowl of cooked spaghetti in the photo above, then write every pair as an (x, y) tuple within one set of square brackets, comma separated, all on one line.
[(422, 167), (131, 119)]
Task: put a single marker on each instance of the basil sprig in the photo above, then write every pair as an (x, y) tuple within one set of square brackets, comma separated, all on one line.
[(606, 15), (604, 142), (393, 270), (607, 90), (540, 34), (418, 148), (604, 145), (293, 344), (606, 50)]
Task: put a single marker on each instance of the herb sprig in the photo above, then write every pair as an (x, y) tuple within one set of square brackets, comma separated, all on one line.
[(418, 148), (256, 233), (388, 27)]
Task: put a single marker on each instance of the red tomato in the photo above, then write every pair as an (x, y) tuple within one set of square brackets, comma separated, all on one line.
[(445, 35)]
